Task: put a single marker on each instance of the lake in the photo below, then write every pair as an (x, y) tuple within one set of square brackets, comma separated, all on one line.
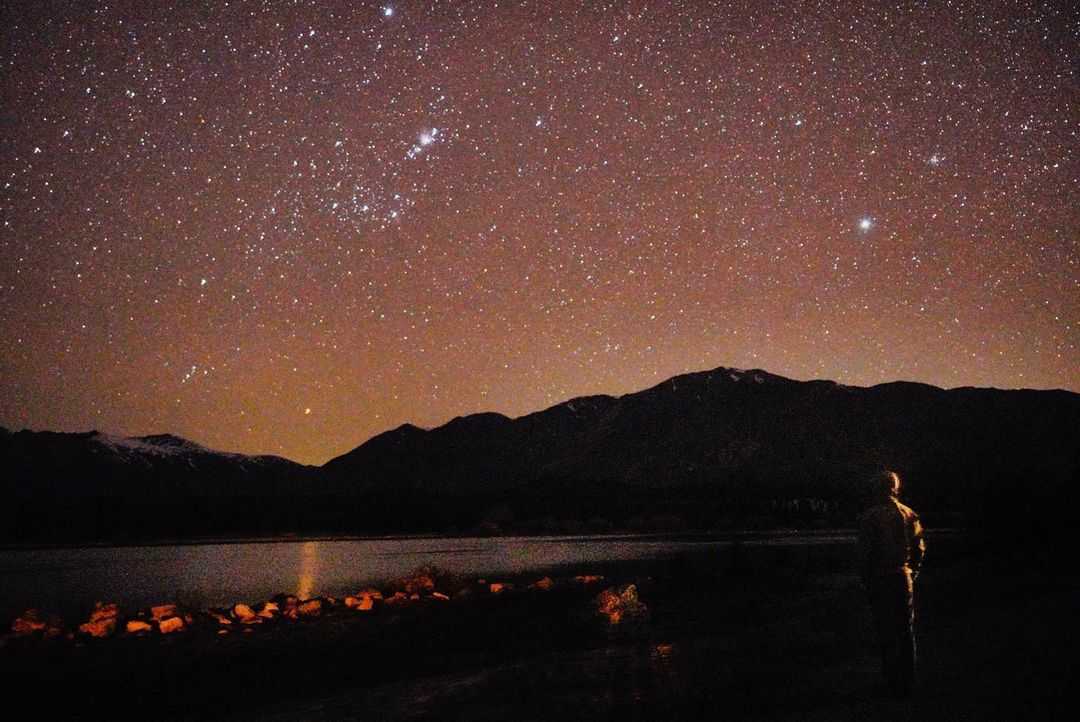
[(68, 581)]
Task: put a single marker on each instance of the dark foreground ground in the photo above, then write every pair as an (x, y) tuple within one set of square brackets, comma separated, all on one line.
[(776, 634)]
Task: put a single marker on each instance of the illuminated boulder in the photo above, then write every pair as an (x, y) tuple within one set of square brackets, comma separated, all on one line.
[(162, 611), (138, 626), (619, 604), (397, 598), (545, 584), (361, 603), (244, 614), (29, 622), (102, 622), (589, 578), (288, 605), (269, 610), (500, 587), (171, 625), (310, 608), (219, 617), (422, 581)]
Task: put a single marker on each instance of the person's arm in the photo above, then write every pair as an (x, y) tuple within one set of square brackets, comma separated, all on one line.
[(918, 546)]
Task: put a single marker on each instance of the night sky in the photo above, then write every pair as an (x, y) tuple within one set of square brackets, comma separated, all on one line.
[(284, 227)]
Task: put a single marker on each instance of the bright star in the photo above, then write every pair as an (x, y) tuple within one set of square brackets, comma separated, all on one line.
[(387, 12), (865, 224)]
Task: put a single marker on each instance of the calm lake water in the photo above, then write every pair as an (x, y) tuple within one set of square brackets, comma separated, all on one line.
[(69, 581)]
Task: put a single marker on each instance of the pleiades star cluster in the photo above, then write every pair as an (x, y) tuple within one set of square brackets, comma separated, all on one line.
[(283, 227)]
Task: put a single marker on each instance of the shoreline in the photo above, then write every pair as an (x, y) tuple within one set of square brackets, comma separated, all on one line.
[(709, 636), (707, 535)]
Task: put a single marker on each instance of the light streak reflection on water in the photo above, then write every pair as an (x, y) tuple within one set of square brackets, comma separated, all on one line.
[(69, 581)]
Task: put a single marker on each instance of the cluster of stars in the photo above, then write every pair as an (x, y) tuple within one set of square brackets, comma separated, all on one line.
[(285, 227)]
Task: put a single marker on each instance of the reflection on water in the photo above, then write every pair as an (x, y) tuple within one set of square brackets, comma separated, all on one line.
[(69, 581), (309, 567)]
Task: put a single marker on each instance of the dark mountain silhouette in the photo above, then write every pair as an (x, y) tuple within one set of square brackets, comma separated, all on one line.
[(721, 448), (92, 485), (727, 446)]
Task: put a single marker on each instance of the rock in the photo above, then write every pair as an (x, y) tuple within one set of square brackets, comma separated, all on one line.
[(100, 629), (29, 622), (363, 603), (310, 608), (543, 585), (219, 617), (370, 592), (171, 625), (440, 596), (162, 611), (588, 578), (396, 598), (244, 614), (500, 587), (607, 602), (420, 581), (289, 606), (620, 603), (102, 621), (269, 610), (138, 626), (222, 632)]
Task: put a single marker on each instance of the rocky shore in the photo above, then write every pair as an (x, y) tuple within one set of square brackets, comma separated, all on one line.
[(675, 639), (210, 663), (425, 586)]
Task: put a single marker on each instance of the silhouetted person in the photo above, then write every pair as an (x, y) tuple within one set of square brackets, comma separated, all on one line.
[(892, 547)]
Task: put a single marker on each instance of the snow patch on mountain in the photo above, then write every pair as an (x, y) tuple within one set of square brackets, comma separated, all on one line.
[(159, 445)]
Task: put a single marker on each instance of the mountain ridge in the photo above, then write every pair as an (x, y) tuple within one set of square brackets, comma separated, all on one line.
[(721, 447), (166, 439)]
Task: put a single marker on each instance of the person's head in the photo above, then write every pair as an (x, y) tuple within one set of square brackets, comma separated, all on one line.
[(884, 484)]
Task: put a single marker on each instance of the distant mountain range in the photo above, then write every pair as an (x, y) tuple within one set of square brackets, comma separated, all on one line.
[(726, 447), (92, 463)]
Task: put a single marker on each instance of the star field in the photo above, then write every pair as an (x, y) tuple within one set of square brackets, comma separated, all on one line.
[(284, 227)]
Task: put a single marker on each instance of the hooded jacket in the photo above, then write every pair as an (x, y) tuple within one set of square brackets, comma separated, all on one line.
[(890, 541)]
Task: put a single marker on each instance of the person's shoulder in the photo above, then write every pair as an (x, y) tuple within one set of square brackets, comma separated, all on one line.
[(906, 510)]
